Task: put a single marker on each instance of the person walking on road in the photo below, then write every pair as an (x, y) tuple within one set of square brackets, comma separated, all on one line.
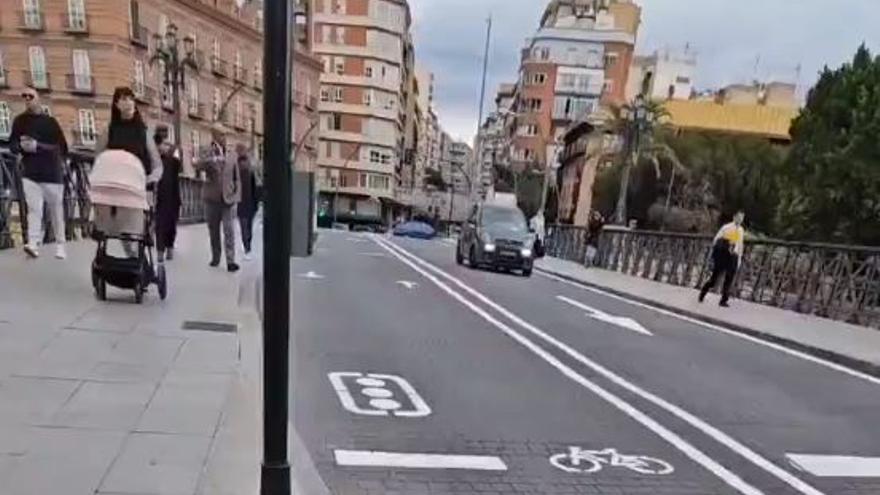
[(38, 139), (250, 199), (168, 200), (221, 192), (727, 251)]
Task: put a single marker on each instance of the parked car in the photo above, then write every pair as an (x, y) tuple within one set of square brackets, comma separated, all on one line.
[(496, 236), (415, 230)]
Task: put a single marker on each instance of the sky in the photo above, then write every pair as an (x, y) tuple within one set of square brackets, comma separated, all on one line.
[(736, 40)]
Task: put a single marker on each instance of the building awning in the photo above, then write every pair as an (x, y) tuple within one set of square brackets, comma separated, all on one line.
[(755, 120)]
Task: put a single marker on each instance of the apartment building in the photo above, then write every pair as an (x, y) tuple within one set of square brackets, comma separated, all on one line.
[(494, 140), (366, 51), (578, 59)]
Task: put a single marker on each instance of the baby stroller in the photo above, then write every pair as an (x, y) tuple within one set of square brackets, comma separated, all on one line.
[(123, 211)]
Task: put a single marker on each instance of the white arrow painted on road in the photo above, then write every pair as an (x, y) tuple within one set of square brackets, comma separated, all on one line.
[(836, 465), (311, 276), (409, 285), (620, 321)]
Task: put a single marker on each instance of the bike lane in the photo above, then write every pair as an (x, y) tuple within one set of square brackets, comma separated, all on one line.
[(770, 402), (360, 335)]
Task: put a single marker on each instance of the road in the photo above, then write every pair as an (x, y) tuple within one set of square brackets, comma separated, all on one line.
[(417, 376)]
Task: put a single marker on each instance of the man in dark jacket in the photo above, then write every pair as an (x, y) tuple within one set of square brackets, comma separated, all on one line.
[(38, 138), (250, 200)]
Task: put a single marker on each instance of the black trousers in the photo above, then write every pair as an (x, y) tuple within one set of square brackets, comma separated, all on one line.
[(246, 222), (724, 264)]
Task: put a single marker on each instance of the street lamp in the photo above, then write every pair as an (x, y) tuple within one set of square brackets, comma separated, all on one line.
[(175, 65), (638, 118)]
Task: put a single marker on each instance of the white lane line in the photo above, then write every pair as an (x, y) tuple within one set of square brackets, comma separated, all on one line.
[(364, 458), (837, 465), (409, 285), (621, 321), (672, 438), (311, 276), (709, 430), (792, 352)]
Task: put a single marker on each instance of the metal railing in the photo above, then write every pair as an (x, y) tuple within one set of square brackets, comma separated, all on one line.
[(832, 281)]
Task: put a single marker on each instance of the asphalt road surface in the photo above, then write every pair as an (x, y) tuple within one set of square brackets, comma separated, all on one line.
[(417, 376)]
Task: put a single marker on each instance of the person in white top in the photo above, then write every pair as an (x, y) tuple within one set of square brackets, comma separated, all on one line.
[(727, 251)]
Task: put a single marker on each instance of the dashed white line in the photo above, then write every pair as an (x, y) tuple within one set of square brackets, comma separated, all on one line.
[(364, 458)]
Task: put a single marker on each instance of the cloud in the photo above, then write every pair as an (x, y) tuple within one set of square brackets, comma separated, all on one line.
[(736, 41)]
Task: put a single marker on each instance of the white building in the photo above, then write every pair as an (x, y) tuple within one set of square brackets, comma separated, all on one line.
[(670, 75)]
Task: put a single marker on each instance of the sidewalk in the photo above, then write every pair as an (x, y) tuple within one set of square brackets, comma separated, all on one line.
[(846, 344), (116, 398)]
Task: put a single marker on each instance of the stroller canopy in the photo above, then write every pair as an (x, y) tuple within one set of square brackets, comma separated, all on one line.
[(118, 179)]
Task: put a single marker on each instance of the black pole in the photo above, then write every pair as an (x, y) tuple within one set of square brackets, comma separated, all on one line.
[(275, 475)]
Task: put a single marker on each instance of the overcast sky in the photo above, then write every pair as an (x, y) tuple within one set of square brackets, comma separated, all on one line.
[(728, 35)]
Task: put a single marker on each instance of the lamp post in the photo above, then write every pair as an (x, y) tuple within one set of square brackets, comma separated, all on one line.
[(175, 65), (638, 118)]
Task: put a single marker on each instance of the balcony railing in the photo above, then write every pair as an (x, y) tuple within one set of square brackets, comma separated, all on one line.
[(32, 20), (258, 82), (41, 81), (240, 74), (75, 22), (218, 66), (139, 36), (240, 123), (144, 94), (196, 110), (81, 84)]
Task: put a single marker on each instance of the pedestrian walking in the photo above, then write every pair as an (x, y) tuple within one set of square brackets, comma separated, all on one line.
[(538, 226), (250, 198), (727, 251), (37, 138), (221, 193), (127, 131), (168, 200)]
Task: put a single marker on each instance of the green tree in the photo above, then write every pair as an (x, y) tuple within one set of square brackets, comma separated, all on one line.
[(832, 176)]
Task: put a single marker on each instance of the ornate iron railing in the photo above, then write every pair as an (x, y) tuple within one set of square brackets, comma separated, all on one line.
[(831, 281)]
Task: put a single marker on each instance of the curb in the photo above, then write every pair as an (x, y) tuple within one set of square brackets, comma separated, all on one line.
[(865, 367)]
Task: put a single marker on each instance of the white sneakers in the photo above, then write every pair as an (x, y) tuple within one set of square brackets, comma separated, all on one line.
[(33, 252), (60, 252), (248, 256)]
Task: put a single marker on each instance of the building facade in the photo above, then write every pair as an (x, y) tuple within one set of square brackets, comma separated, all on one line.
[(366, 52), (77, 51), (669, 75)]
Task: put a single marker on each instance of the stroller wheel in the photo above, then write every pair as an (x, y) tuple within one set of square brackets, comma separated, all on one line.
[(139, 292), (162, 282)]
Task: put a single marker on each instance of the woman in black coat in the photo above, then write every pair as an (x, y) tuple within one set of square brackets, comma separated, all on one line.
[(168, 200)]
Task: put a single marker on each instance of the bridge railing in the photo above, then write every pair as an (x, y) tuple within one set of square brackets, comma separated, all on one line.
[(77, 206), (832, 281)]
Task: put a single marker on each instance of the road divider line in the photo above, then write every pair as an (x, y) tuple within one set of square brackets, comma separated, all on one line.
[(707, 429), (621, 321), (366, 458), (732, 479), (840, 466), (792, 352)]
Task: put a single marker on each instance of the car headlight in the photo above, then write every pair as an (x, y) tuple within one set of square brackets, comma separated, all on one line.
[(526, 253), (489, 247)]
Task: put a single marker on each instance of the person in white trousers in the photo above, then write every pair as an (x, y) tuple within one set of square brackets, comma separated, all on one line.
[(38, 139)]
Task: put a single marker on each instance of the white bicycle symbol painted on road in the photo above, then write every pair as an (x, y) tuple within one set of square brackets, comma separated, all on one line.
[(581, 461)]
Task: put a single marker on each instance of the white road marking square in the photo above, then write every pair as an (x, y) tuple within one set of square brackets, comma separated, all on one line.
[(363, 458)]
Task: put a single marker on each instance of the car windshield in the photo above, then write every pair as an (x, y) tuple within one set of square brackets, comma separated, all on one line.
[(506, 219)]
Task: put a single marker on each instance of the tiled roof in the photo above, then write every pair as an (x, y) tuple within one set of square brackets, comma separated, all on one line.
[(757, 120)]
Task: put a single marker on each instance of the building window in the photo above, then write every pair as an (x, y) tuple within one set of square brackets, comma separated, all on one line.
[(528, 130), (368, 71), (533, 104), (236, 70), (608, 87), (5, 120), (258, 73), (195, 142), (163, 25), (537, 78), (139, 84), (381, 157), (39, 77), (334, 122), (337, 7), (87, 129), (682, 80), (76, 14), (193, 96), (339, 65), (33, 17), (216, 102), (325, 94), (610, 60), (368, 97), (258, 20), (82, 70), (337, 95)]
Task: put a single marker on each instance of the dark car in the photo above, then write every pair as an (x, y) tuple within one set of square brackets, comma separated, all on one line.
[(496, 236), (415, 230)]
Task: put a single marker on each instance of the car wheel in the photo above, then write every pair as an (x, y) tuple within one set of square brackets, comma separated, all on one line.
[(527, 272), (459, 259), (472, 258)]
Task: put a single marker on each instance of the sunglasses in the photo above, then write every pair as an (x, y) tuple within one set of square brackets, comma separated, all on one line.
[(28, 96)]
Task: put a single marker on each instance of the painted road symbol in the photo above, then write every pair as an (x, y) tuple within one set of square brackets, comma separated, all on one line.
[(581, 461), (372, 394)]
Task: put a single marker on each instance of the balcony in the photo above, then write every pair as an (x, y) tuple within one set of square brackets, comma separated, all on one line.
[(144, 94), (240, 74), (84, 138), (218, 67), (139, 36), (32, 20), (196, 110), (80, 84), (4, 78), (240, 123), (41, 81), (75, 23)]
